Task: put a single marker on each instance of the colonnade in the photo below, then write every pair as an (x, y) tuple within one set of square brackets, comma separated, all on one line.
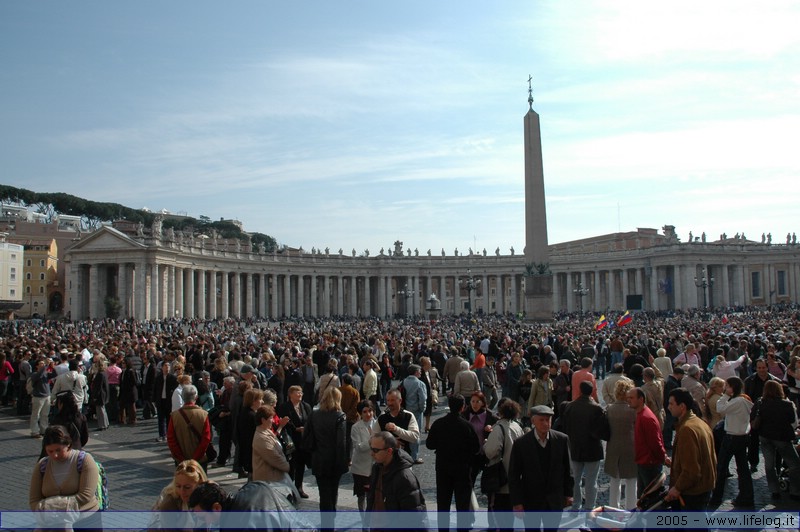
[(160, 290)]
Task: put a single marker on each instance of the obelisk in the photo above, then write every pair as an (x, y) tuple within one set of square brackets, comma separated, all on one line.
[(539, 278)]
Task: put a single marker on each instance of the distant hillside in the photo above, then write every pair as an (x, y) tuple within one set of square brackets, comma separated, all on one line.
[(94, 213)]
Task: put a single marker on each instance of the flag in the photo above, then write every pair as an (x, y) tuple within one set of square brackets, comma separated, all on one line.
[(602, 322), (624, 319)]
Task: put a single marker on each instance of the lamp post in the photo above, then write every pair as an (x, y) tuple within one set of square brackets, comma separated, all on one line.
[(407, 294), (469, 284), (704, 282), (580, 291)]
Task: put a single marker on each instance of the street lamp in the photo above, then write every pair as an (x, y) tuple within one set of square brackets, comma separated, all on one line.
[(407, 294), (704, 282), (580, 291), (469, 284)]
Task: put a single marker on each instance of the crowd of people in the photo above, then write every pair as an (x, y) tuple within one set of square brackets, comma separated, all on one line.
[(681, 392)]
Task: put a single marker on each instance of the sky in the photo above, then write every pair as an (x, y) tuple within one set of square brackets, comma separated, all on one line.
[(353, 124)]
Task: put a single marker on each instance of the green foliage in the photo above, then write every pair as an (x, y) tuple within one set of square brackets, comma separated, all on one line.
[(113, 307), (93, 213)]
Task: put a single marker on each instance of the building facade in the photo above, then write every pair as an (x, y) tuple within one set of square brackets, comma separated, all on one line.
[(155, 275), (11, 265), (42, 296)]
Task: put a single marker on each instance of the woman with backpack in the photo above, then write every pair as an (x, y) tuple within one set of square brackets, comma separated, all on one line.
[(65, 482)]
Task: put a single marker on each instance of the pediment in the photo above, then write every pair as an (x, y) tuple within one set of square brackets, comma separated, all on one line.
[(107, 239)]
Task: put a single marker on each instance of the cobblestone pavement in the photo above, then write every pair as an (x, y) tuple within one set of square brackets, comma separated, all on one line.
[(138, 468)]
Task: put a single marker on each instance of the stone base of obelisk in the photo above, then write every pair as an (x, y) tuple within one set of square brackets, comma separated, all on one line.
[(539, 298)]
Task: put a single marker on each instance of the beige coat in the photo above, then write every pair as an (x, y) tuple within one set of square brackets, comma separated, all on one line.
[(269, 462), (82, 486)]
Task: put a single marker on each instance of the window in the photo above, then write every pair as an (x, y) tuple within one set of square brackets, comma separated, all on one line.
[(12, 292), (28, 276), (28, 262), (41, 276), (28, 289), (755, 285), (13, 274), (41, 289), (41, 263), (782, 283), (13, 256)]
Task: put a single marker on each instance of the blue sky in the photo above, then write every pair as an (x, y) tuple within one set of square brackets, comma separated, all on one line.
[(355, 124)]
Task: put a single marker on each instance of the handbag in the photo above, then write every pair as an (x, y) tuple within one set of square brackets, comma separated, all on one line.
[(494, 476), (287, 443)]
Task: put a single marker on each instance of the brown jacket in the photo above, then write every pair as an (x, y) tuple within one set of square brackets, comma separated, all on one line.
[(694, 462), (183, 443)]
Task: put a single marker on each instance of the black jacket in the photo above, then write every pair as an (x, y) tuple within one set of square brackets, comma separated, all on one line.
[(455, 442), (326, 440), (535, 485), (295, 421), (172, 383), (586, 424), (400, 487)]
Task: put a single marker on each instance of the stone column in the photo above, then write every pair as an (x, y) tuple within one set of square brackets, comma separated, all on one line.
[(237, 296), (726, 288), (76, 294), (625, 289), (122, 289), (326, 295), (639, 282), (312, 295), (499, 308), (262, 295), (250, 292), (570, 294), (178, 292), (188, 295), (301, 295), (287, 295), (139, 291), (381, 296), (171, 291), (353, 310), (225, 296), (458, 305), (154, 291), (94, 295), (654, 299), (201, 294), (514, 298), (367, 308), (339, 295), (212, 295)]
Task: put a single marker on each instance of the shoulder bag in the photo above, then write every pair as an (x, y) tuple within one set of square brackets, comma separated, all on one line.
[(494, 476)]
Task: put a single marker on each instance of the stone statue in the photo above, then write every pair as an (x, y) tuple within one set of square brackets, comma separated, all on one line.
[(140, 229), (416, 252), (470, 252), (381, 253), (703, 237), (691, 237), (744, 238), (366, 252), (158, 223), (442, 252), (794, 238), (313, 250), (341, 251), (408, 252), (788, 238), (354, 252), (724, 236), (769, 239), (497, 251), (763, 238), (455, 252), (238, 245), (484, 252), (429, 252), (327, 250), (736, 236), (170, 234), (398, 248), (512, 251)]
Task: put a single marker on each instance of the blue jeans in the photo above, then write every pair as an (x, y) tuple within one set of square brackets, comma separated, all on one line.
[(734, 447), (772, 448), (414, 447), (589, 470)]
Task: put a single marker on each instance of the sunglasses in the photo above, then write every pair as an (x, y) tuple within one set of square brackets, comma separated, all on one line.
[(375, 450)]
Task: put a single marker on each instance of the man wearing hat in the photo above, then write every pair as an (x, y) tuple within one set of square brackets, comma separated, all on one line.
[(540, 480)]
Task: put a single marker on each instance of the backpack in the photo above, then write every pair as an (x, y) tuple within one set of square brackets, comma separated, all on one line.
[(102, 479)]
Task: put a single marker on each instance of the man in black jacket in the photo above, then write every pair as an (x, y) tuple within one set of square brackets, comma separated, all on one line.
[(586, 424), (540, 472), (456, 444), (393, 485)]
